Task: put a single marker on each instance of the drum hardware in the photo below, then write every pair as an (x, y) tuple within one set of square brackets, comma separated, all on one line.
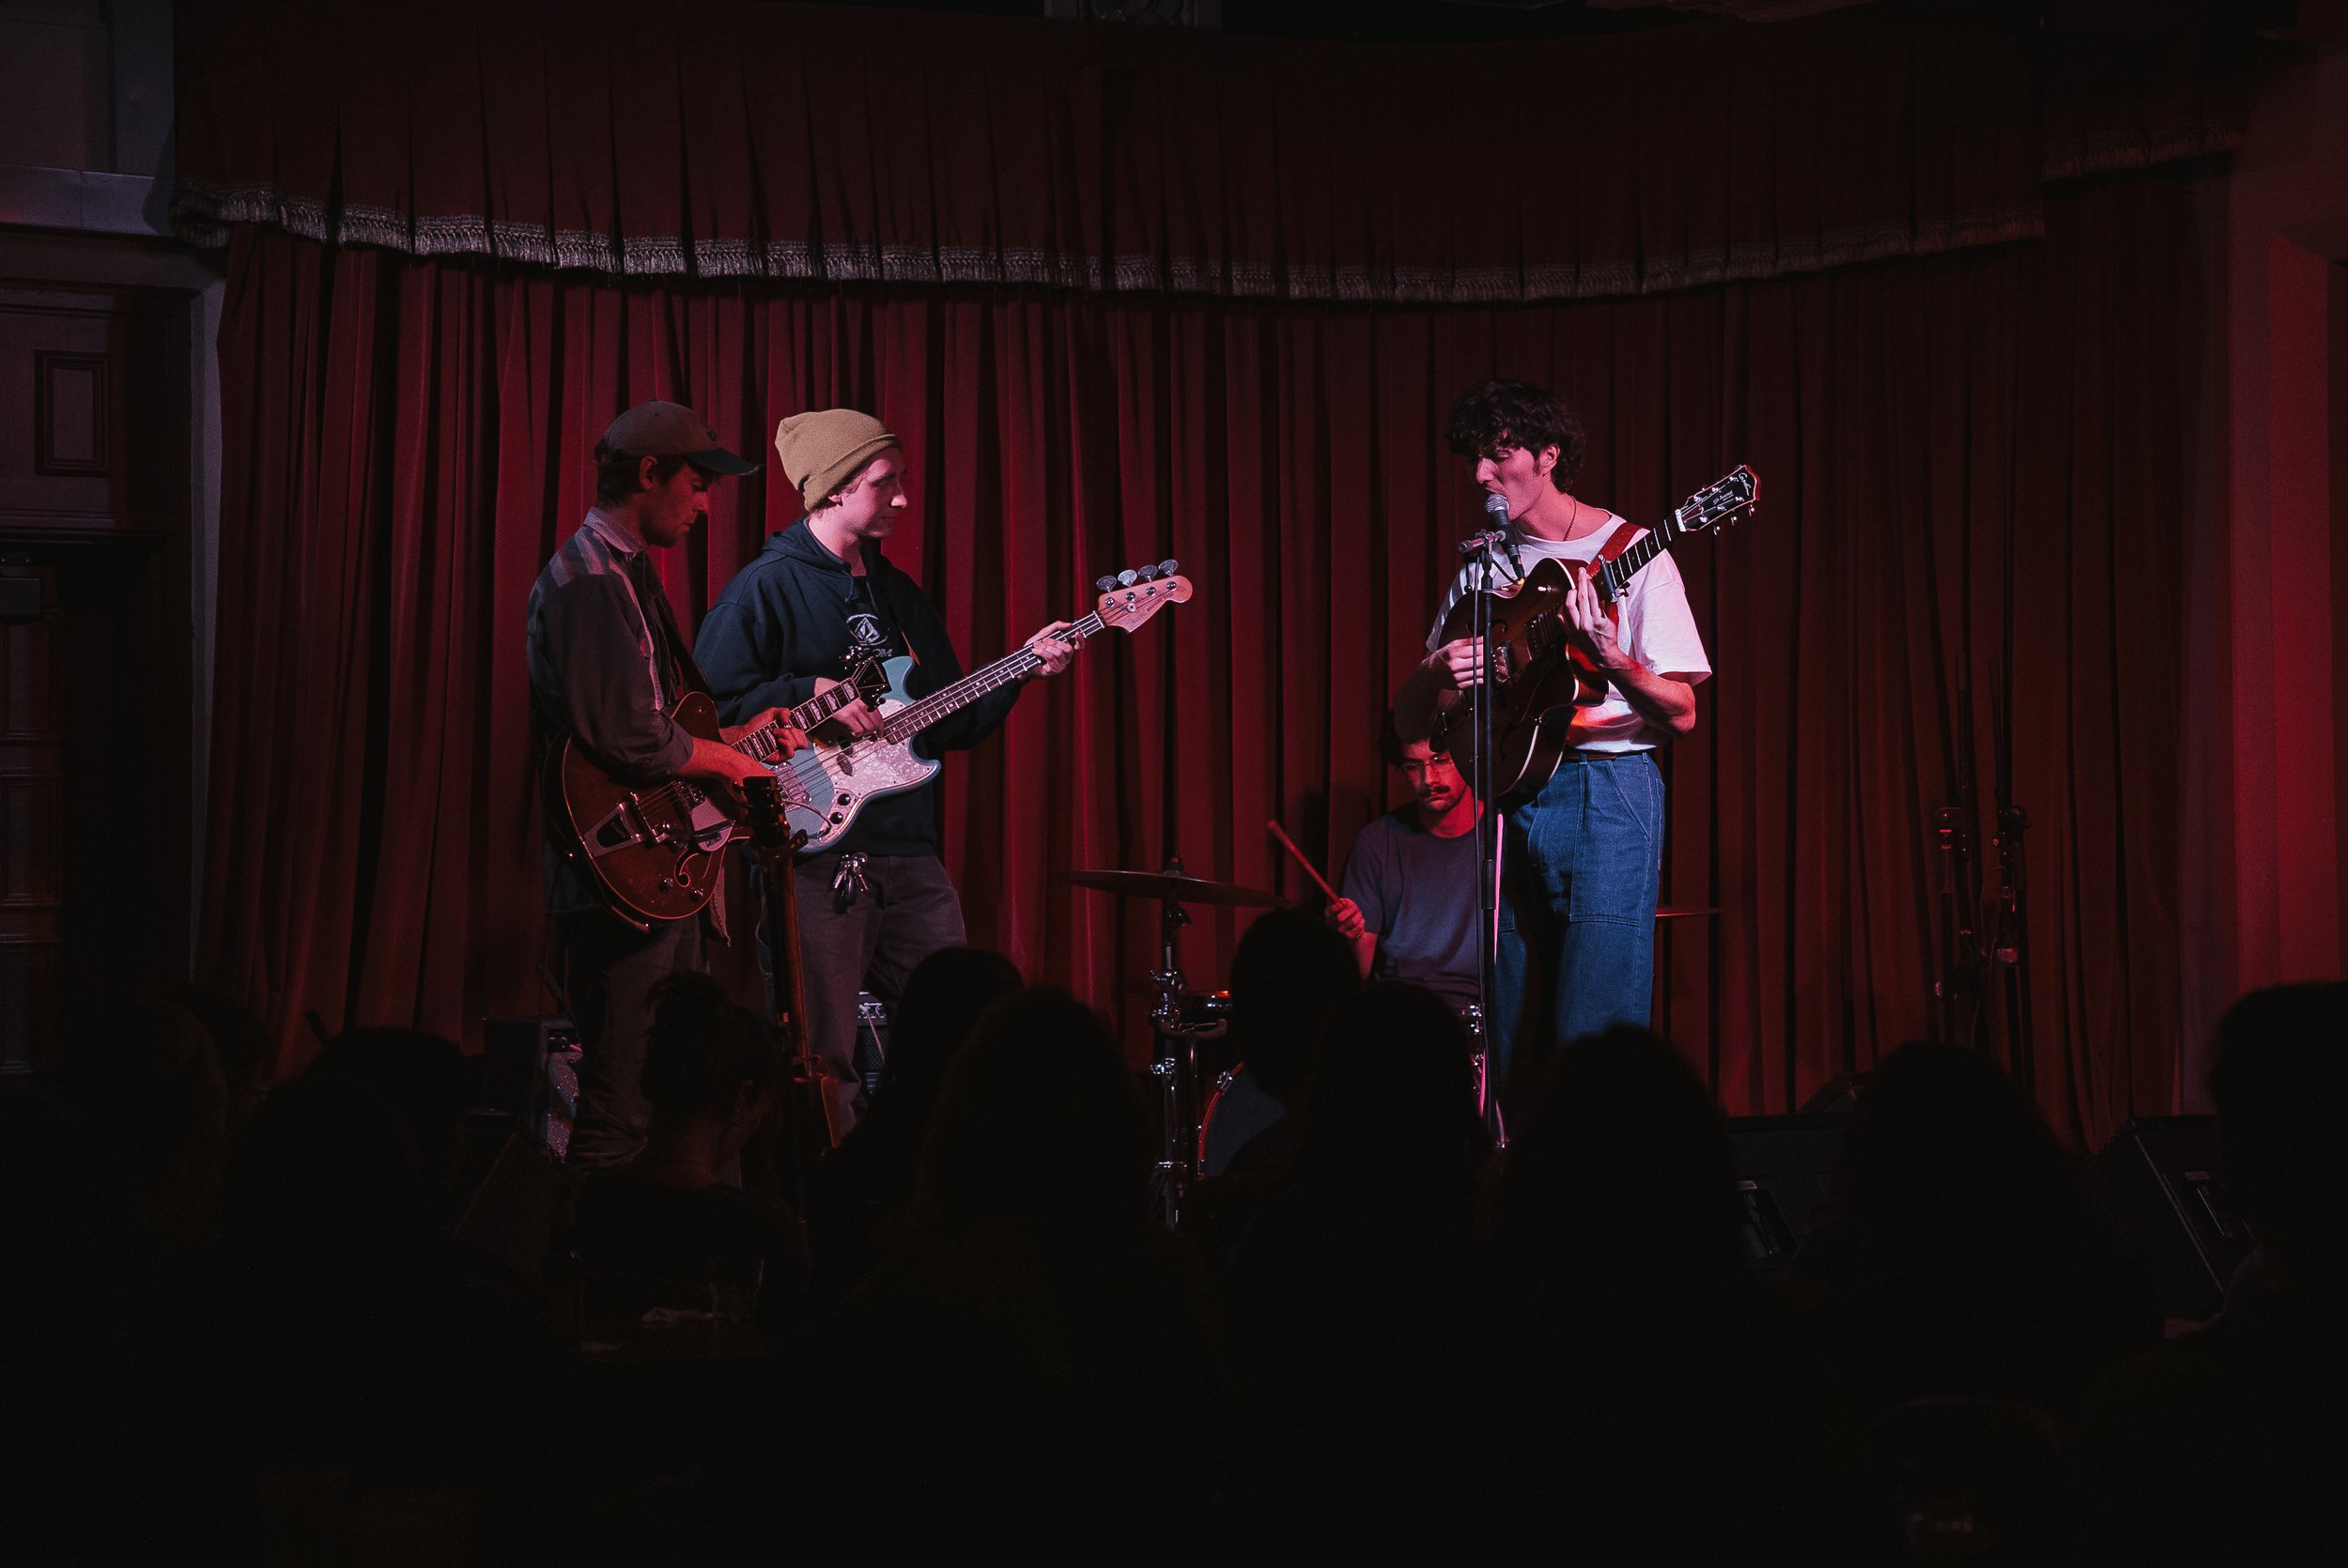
[(1180, 1018)]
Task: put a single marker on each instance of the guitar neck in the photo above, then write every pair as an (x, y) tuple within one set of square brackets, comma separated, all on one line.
[(1614, 575), (1008, 670), (762, 743)]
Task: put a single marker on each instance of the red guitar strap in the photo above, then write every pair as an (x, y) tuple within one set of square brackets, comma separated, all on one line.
[(1618, 541)]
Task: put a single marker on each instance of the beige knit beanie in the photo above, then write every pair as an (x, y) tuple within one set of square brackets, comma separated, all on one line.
[(821, 449)]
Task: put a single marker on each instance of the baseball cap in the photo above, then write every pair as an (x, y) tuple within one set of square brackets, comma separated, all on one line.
[(672, 430)]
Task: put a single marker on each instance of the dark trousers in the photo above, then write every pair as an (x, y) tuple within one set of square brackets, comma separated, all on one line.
[(1577, 928), (870, 940), (610, 970)]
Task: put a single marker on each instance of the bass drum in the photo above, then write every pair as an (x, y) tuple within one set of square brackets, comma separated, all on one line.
[(1236, 1111)]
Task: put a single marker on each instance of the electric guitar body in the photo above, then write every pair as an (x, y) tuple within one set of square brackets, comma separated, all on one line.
[(653, 850), (834, 781), (1538, 674)]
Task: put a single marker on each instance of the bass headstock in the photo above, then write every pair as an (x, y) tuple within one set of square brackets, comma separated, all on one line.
[(1134, 595)]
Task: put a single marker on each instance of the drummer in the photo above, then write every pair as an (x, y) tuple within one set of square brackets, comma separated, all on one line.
[(1408, 898)]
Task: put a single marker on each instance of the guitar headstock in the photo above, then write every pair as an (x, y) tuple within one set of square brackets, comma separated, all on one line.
[(1135, 595), (770, 833), (1722, 501)]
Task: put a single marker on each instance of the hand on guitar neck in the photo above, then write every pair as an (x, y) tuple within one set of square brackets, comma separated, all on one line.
[(723, 769)]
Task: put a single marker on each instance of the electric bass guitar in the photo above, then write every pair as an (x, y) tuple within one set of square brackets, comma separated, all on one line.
[(1531, 662), (826, 785), (652, 851)]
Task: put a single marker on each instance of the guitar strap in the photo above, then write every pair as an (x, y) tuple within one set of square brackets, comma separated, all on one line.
[(883, 584), (653, 600), (1618, 541)]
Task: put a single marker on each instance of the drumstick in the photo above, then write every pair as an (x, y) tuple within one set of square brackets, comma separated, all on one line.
[(1289, 844)]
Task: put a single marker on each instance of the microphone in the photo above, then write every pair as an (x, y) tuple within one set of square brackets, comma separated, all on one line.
[(1496, 511)]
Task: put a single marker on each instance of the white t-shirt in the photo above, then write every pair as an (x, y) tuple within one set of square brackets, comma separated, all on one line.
[(1655, 628)]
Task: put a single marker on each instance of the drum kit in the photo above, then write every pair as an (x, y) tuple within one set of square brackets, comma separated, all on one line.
[(1202, 1121), (1180, 1018)]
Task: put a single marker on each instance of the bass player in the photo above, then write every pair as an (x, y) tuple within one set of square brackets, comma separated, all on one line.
[(607, 664), (1584, 853), (819, 598)]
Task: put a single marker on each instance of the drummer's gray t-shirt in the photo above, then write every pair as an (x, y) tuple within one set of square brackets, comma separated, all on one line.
[(1417, 892)]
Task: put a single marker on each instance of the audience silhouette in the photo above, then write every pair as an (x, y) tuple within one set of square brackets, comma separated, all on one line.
[(2230, 1445), (672, 1226), (240, 1316), (863, 1188)]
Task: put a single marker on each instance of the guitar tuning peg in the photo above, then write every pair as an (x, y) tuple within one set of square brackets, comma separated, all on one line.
[(1148, 573), (1127, 577), (1105, 584), (1168, 568)]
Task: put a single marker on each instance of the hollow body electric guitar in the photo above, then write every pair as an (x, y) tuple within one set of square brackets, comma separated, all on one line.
[(1536, 670), (826, 785), (652, 851)]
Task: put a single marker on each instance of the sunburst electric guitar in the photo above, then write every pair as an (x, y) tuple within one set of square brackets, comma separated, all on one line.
[(1538, 671), (826, 785)]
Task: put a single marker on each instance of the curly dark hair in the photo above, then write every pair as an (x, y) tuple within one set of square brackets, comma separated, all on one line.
[(1391, 745), (1501, 414)]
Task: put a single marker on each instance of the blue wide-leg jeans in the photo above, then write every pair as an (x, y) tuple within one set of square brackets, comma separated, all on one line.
[(1584, 857)]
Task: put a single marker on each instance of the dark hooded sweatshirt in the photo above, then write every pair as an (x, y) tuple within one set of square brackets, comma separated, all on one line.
[(790, 618)]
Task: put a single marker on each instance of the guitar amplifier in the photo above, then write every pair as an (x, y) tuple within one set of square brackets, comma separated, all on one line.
[(530, 1070), (2160, 1175)]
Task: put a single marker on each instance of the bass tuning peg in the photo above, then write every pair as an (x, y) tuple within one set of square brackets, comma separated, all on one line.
[(1168, 568), (1105, 584), (1127, 577)]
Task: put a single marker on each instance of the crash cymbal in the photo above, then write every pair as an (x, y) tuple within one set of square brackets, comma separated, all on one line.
[(1180, 887), (1682, 912)]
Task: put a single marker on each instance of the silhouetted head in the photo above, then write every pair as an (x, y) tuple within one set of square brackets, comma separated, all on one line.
[(2280, 1083), (944, 997), (327, 1170), (419, 1074), (708, 1058), (1393, 1093), (1622, 1162), (1941, 1129), (1288, 971), (1039, 1119)]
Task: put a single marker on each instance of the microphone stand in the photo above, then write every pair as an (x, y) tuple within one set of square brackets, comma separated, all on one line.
[(1489, 837)]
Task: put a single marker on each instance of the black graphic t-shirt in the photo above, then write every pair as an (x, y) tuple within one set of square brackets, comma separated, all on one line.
[(871, 634)]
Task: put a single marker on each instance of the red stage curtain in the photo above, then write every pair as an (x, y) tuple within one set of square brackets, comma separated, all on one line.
[(1970, 463), (800, 142)]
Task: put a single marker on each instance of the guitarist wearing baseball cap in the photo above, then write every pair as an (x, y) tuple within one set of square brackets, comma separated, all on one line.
[(607, 664)]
